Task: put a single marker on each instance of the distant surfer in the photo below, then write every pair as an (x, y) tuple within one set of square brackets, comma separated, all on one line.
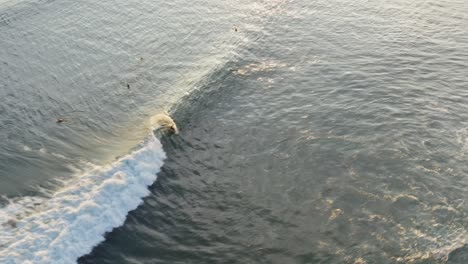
[(128, 86), (60, 120), (235, 29)]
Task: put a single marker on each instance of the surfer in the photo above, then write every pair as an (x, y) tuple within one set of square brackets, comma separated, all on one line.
[(60, 120)]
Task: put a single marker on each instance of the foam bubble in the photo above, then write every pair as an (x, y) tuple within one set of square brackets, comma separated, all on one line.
[(67, 225)]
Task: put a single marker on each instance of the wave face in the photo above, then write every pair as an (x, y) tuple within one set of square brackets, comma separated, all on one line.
[(67, 225)]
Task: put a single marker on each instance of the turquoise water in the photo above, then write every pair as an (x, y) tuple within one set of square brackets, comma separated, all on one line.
[(318, 132)]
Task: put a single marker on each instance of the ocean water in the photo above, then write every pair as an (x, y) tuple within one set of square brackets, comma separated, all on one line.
[(310, 131)]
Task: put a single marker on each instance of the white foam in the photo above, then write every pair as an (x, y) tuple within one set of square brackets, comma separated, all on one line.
[(73, 220)]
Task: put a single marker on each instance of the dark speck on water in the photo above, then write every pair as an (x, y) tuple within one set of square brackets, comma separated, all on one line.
[(12, 223)]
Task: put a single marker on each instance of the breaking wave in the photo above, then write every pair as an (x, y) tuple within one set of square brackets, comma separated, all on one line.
[(69, 223)]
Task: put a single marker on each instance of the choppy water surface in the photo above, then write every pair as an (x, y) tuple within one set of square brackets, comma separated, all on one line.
[(319, 132)]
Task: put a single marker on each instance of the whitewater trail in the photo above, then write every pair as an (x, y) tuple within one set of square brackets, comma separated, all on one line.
[(67, 225)]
